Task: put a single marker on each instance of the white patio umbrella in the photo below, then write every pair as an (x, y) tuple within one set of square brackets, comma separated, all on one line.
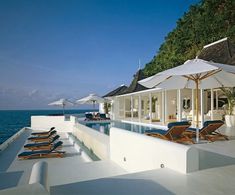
[(91, 99), (195, 74), (62, 103)]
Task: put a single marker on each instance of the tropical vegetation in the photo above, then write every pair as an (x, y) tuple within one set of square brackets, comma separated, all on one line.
[(205, 22)]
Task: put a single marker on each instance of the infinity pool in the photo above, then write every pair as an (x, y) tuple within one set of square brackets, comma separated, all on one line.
[(104, 127)]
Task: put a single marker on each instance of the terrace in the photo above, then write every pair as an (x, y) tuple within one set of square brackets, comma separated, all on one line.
[(76, 174)]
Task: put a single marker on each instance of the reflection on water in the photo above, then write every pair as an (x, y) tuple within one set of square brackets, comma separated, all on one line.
[(105, 127)]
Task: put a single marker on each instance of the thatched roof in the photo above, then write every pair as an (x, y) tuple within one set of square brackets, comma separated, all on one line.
[(222, 51), (135, 86), (117, 91)]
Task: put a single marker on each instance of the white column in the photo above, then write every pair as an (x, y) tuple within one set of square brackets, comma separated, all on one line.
[(206, 101), (193, 105), (212, 104), (166, 107), (124, 103), (202, 107), (217, 100), (150, 107), (179, 105), (131, 107), (139, 106), (163, 108)]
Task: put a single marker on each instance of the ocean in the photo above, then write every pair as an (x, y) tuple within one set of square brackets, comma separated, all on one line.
[(11, 121)]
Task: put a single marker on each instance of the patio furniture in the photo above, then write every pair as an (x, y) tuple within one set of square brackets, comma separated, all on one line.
[(209, 131), (43, 132), (103, 117), (42, 138), (42, 145), (174, 133), (89, 117), (43, 153)]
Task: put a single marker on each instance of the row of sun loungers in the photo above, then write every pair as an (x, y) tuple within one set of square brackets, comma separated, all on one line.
[(97, 117), (43, 145), (181, 133)]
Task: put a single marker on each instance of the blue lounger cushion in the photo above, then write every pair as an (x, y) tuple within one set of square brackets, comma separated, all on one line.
[(89, 116), (170, 125)]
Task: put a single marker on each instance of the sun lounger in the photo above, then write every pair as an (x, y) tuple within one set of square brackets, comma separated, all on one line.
[(43, 132), (209, 131), (89, 117), (42, 138), (43, 135), (43, 153), (103, 117), (174, 133), (42, 145)]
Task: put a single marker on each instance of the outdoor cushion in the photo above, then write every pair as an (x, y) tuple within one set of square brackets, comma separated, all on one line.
[(170, 125)]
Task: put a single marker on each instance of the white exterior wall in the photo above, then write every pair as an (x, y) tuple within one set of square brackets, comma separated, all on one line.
[(46, 122), (136, 152), (101, 108), (94, 140)]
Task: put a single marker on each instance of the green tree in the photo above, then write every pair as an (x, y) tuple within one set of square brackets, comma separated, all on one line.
[(206, 22)]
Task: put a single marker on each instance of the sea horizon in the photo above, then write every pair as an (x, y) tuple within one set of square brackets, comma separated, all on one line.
[(11, 121)]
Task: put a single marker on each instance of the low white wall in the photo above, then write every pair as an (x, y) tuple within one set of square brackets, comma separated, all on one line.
[(5, 144), (94, 140), (136, 152), (46, 122)]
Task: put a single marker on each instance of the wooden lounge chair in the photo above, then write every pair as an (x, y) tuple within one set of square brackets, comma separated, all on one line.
[(42, 138), (174, 133), (43, 153), (209, 131), (43, 132), (42, 145)]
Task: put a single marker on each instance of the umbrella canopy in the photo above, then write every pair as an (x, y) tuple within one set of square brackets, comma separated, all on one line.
[(195, 74), (91, 99), (209, 75), (62, 103)]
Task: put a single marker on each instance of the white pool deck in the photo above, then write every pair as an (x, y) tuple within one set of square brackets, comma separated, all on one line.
[(73, 175)]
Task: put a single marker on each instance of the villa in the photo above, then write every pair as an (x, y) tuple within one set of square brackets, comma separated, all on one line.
[(161, 106), (116, 157)]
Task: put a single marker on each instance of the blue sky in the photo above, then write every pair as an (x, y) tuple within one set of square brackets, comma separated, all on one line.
[(70, 48)]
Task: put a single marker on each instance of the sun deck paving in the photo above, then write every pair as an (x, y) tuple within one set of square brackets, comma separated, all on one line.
[(72, 175), (71, 168), (161, 181)]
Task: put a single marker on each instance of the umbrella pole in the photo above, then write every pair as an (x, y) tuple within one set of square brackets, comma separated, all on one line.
[(63, 109), (197, 111)]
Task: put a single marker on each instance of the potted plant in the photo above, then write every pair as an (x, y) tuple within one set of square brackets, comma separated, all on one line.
[(229, 116)]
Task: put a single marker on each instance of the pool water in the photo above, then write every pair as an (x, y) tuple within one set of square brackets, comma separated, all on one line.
[(105, 127)]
